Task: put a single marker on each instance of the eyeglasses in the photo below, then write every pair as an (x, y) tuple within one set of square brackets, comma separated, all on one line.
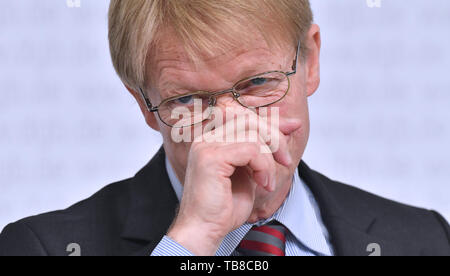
[(253, 92)]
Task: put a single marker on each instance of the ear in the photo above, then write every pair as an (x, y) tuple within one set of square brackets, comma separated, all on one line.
[(313, 59), (150, 117)]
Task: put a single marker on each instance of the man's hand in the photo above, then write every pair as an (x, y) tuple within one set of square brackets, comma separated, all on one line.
[(220, 184)]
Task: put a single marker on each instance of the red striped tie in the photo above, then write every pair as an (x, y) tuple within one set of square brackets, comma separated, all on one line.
[(266, 240)]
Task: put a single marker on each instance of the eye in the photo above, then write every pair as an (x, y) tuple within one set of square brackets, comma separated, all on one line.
[(258, 81), (185, 100)]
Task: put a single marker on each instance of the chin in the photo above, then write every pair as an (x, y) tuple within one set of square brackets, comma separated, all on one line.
[(255, 217)]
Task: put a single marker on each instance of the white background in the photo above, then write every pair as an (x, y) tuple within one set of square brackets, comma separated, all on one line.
[(380, 119)]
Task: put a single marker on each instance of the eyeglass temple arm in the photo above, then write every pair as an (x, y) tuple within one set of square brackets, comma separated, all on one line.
[(294, 65), (149, 105)]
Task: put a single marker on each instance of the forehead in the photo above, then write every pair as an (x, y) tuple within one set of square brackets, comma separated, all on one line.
[(170, 62)]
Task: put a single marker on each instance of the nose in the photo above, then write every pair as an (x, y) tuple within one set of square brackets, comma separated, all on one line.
[(223, 100), (225, 106)]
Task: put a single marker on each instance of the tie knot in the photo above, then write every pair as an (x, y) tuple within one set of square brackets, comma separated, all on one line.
[(265, 240)]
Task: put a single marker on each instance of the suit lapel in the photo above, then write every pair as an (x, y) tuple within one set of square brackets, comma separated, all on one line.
[(349, 225), (153, 203)]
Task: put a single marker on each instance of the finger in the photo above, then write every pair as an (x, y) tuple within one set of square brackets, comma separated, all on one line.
[(242, 120), (249, 154), (270, 133)]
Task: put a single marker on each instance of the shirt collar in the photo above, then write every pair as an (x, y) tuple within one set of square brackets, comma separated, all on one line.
[(176, 184), (299, 213)]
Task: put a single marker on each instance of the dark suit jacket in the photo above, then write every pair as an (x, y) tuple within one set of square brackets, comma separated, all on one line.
[(131, 216)]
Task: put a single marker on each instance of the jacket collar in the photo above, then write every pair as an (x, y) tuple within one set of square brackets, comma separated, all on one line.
[(153, 205)]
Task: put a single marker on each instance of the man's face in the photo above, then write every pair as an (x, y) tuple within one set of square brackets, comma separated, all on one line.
[(172, 74)]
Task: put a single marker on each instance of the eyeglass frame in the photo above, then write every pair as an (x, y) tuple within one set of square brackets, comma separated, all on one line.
[(214, 95)]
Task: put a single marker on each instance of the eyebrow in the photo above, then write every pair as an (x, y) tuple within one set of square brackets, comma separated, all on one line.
[(171, 88), (253, 72)]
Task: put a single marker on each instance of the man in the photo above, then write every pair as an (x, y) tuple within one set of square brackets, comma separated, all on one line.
[(192, 65)]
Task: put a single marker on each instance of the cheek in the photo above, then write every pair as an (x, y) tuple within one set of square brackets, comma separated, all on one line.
[(172, 148), (296, 106)]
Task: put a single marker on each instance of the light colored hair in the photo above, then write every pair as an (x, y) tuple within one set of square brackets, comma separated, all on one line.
[(202, 26)]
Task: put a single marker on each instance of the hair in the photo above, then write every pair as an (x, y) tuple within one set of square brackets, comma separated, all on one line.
[(204, 27)]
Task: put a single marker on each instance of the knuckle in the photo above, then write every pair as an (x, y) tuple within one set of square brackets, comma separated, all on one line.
[(204, 156), (252, 149)]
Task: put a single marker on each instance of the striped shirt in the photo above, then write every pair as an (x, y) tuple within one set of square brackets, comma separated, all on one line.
[(307, 235)]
